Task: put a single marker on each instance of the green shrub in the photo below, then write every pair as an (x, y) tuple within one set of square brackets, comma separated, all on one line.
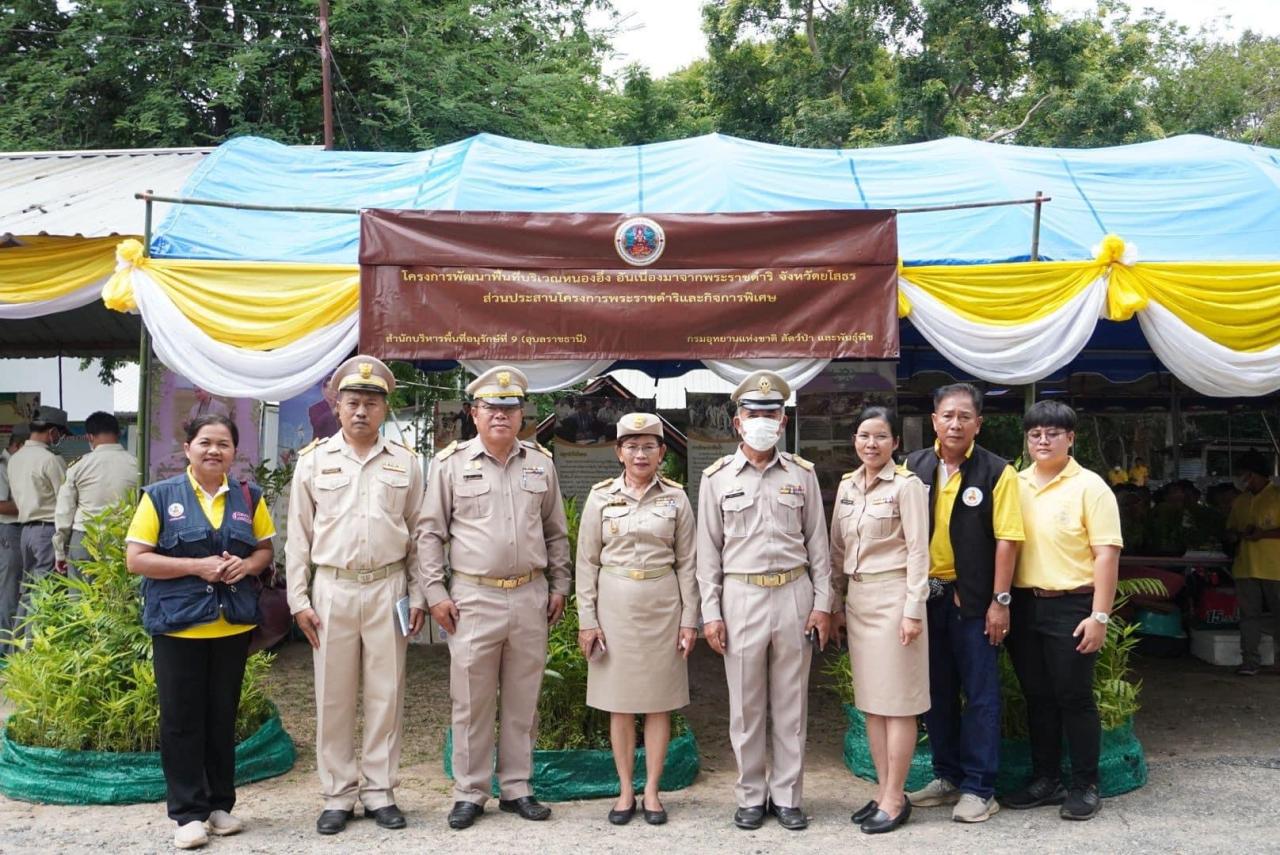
[(82, 678)]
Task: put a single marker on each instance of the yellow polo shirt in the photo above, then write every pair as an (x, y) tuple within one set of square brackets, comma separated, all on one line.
[(1238, 521), (145, 529), (1065, 519), (1263, 556), (1006, 516)]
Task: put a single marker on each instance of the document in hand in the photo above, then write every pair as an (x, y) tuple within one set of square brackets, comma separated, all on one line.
[(402, 614)]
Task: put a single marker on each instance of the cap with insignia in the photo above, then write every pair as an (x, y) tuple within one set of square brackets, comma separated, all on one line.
[(49, 417), (762, 390), (501, 385), (639, 424), (362, 373)]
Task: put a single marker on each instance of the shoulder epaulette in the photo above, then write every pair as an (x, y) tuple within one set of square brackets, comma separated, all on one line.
[(670, 482), (903, 470), (605, 483), (802, 463), (309, 447), (846, 476), (718, 465), (447, 450), (407, 448), (537, 446)]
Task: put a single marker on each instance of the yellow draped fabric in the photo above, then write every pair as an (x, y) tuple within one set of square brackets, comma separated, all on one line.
[(45, 267), (1004, 294), (253, 305)]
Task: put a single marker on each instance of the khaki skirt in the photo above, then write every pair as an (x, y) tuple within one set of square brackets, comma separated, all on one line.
[(641, 670), (888, 679)]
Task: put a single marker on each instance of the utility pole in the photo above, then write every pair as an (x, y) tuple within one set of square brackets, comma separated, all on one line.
[(326, 88)]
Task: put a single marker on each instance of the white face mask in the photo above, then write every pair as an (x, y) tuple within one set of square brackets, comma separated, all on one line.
[(761, 434)]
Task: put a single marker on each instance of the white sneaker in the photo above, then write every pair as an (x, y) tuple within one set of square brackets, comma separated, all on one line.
[(973, 808), (936, 793), (222, 823), (190, 835)]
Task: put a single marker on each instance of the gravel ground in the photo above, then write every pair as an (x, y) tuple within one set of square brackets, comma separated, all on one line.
[(1211, 741)]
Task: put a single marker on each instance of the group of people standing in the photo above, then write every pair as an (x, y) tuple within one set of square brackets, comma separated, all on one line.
[(929, 568)]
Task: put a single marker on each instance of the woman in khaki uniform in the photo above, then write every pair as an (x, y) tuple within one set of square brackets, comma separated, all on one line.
[(637, 606), (880, 545)]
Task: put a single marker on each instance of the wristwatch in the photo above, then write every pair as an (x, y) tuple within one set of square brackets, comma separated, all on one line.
[(1003, 598), (1101, 617)]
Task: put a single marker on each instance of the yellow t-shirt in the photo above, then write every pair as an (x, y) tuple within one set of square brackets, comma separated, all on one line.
[(145, 529), (1264, 514), (1065, 519), (1238, 521), (1006, 517), (1138, 475)]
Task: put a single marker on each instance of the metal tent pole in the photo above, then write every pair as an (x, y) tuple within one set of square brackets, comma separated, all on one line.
[(144, 372)]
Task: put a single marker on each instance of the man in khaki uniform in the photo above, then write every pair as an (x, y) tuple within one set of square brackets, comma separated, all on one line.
[(353, 508), (765, 577), (495, 502), (100, 478), (35, 475), (10, 539)]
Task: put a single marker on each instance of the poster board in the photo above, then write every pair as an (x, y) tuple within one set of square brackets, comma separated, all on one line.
[(174, 401), (825, 412)]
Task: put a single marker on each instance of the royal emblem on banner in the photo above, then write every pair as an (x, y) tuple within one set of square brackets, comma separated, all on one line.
[(639, 241)]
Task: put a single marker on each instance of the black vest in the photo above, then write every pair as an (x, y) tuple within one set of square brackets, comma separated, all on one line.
[(972, 528), (170, 605)]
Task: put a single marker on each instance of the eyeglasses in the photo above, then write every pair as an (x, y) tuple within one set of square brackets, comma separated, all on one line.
[(647, 448), (872, 437), (1037, 436)]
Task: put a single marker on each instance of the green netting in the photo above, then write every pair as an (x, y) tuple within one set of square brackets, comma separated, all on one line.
[(561, 776), (55, 776), (1122, 765)]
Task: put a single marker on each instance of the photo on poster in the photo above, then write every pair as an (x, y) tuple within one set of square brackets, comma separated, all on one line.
[(827, 408), (587, 419), (711, 434), (174, 402), (306, 417)]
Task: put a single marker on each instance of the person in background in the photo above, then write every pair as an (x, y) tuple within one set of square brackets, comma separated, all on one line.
[(1063, 592), (102, 477), (36, 473), (10, 540), (1255, 524), (975, 532), (637, 606), (196, 539), (1139, 473), (880, 553), (1118, 475)]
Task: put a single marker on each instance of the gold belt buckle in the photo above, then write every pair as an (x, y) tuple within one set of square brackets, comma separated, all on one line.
[(365, 577), (509, 582), (636, 574), (771, 580)]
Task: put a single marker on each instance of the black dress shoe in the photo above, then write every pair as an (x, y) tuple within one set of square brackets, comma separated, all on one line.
[(865, 812), (1082, 803), (790, 818), (880, 822), (749, 818), (333, 821), (1041, 791), (622, 817), (387, 817), (464, 815), (527, 806), (655, 817)]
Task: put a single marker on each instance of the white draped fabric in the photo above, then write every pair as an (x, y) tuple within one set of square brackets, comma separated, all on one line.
[(797, 372), (547, 375), (1205, 365), (80, 297)]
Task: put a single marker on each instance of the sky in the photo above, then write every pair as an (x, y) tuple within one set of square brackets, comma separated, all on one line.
[(665, 35)]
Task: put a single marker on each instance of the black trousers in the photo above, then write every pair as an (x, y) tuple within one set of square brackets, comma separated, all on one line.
[(1057, 683), (198, 683)]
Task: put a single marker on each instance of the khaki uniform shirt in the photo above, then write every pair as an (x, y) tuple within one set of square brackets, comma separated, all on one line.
[(352, 514), (753, 521), (100, 478), (5, 494), (649, 533), (35, 474), (883, 528), (499, 518)]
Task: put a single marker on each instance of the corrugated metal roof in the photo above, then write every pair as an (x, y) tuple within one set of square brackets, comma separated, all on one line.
[(87, 193), (670, 391)]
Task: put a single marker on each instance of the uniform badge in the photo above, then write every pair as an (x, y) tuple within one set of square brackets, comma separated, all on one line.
[(765, 385), (176, 511), (504, 378), (971, 497), (792, 490), (394, 467), (241, 516), (639, 241), (638, 422), (664, 501), (366, 370)]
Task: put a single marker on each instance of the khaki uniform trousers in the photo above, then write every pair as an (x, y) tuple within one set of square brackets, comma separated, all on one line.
[(359, 637), (766, 664), (10, 579), (500, 645)]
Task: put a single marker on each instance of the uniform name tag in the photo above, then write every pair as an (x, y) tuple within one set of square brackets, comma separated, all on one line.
[(337, 470), (472, 476), (848, 502), (734, 494), (394, 467), (883, 500)]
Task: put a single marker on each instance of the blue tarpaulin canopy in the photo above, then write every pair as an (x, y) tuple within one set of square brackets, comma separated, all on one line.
[(1188, 198)]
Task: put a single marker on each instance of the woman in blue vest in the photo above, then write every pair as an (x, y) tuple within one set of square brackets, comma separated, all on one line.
[(197, 539)]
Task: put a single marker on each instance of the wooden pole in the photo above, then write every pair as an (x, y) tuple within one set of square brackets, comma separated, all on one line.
[(326, 86)]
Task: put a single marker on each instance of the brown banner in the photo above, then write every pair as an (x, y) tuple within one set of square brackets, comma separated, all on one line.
[(512, 286)]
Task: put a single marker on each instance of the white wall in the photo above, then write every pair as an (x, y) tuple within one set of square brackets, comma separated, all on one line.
[(82, 391)]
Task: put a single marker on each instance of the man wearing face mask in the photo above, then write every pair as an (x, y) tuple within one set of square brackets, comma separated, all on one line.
[(35, 474), (765, 578)]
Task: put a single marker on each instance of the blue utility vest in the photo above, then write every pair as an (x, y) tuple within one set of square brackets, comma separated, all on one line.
[(170, 605)]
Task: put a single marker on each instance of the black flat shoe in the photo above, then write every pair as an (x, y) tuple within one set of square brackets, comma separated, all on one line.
[(334, 821), (1041, 791), (622, 817), (464, 815), (527, 806), (880, 822), (655, 817), (1082, 803), (749, 818), (387, 817), (865, 812), (790, 818)]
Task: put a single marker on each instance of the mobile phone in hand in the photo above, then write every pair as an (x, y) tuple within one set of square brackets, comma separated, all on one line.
[(814, 639), (598, 649)]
